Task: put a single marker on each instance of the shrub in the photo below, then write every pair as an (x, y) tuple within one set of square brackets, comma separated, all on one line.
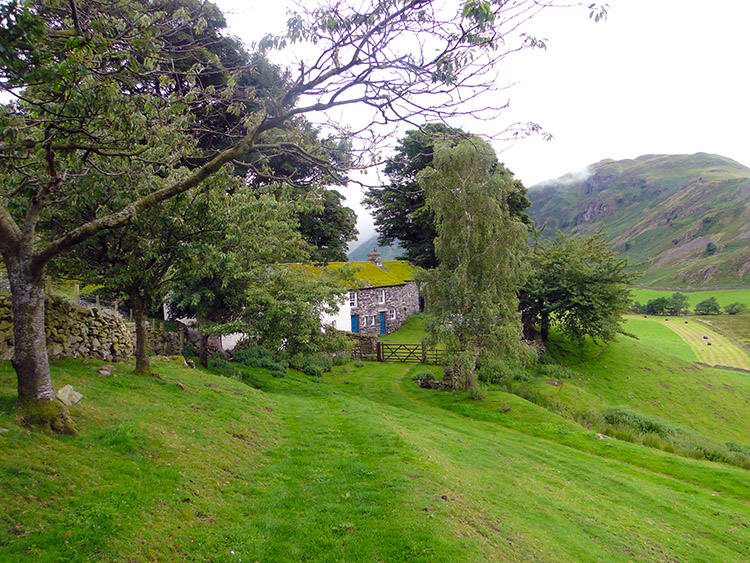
[(499, 372), (478, 393), (546, 358), (739, 448), (189, 349), (423, 376), (313, 370), (341, 358), (734, 308), (359, 364), (217, 361), (625, 417), (320, 362), (256, 357), (279, 374)]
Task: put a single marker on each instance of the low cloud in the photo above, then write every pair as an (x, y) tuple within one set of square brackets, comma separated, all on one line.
[(568, 179)]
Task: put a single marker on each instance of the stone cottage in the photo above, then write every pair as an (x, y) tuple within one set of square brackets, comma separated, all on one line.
[(388, 295)]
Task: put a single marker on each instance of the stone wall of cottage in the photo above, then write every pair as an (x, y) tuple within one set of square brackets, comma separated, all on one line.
[(400, 301), (74, 331)]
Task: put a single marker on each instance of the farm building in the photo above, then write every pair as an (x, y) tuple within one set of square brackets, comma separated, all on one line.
[(387, 296)]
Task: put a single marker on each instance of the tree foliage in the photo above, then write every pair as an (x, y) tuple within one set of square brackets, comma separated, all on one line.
[(734, 308), (676, 304), (708, 307), (470, 297), (579, 284), (399, 209)]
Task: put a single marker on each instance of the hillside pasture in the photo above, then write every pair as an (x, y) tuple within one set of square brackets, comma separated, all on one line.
[(721, 351), (736, 325), (723, 296), (360, 465)]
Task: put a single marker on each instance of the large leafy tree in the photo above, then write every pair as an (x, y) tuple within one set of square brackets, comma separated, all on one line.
[(238, 285), (579, 284), (97, 110), (471, 296), (329, 228), (399, 209), (141, 263)]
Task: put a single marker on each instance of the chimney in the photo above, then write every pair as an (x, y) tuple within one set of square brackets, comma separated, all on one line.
[(375, 257)]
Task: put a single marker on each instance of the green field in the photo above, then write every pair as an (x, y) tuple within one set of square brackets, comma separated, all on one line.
[(362, 465), (722, 351), (411, 332), (723, 296)]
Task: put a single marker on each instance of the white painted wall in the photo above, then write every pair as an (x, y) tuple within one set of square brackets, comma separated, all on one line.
[(342, 320)]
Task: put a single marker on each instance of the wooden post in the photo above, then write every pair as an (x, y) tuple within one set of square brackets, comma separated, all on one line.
[(424, 354), (182, 340), (131, 316), (97, 301), (379, 352)]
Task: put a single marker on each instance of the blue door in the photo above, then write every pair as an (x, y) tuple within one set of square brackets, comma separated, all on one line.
[(382, 322), (355, 323)]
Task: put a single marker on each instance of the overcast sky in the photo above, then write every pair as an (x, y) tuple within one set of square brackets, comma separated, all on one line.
[(658, 77)]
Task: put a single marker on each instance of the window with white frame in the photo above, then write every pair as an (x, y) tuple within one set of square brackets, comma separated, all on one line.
[(373, 321), (381, 297), (393, 314), (352, 298)]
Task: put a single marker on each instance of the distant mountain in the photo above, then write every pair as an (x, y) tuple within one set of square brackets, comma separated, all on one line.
[(684, 220), (359, 253)]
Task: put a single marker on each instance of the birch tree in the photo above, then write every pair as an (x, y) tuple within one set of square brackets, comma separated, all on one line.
[(471, 296)]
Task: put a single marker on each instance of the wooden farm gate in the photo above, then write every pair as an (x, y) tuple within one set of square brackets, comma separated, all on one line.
[(408, 353)]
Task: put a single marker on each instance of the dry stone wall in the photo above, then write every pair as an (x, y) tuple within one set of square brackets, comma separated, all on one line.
[(74, 331)]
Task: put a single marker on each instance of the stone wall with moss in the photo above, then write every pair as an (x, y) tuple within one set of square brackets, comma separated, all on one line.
[(163, 342), (74, 332)]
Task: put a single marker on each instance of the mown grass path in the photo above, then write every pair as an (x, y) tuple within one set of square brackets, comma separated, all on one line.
[(721, 351)]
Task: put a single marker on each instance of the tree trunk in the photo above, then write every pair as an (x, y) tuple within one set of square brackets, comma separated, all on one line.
[(36, 396), (203, 349), (544, 326), (142, 361)]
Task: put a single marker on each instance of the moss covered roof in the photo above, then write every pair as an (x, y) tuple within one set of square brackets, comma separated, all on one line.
[(396, 272)]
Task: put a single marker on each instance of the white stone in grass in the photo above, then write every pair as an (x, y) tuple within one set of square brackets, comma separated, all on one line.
[(69, 396), (602, 437)]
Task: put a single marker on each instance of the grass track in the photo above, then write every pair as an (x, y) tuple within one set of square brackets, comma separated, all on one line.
[(722, 350)]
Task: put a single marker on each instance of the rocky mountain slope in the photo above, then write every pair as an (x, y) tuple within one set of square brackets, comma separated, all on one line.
[(359, 252), (683, 220)]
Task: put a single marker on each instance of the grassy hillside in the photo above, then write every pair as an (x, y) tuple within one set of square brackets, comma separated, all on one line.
[(362, 465), (662, 212)]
